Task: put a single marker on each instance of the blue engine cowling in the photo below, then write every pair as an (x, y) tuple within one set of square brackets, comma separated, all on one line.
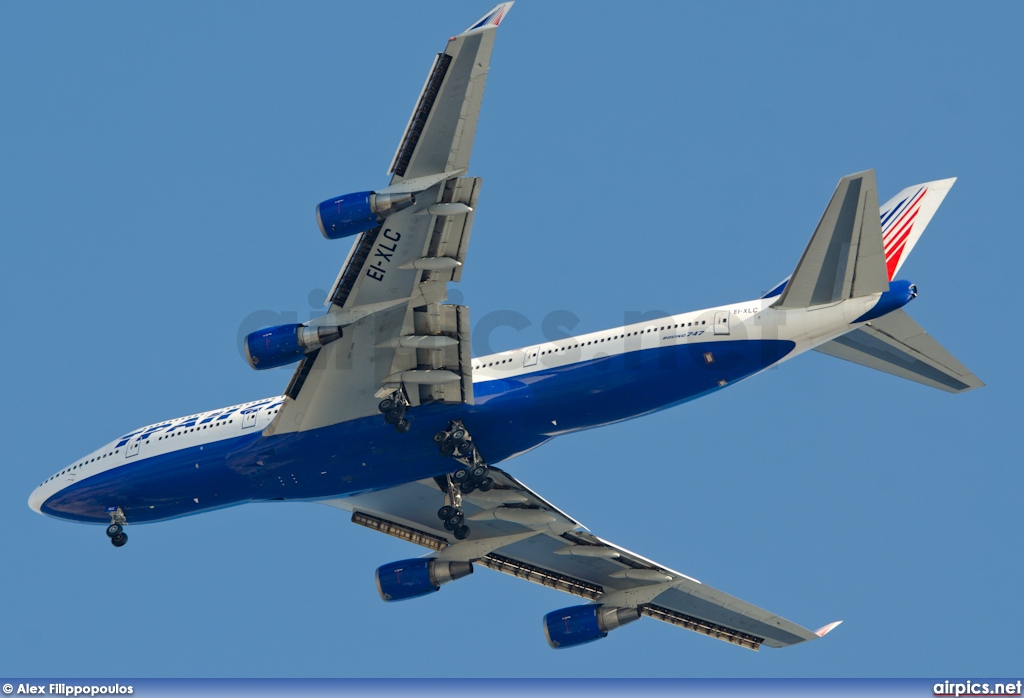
[(408, 579), (285, 344), (578, 625), (352, 214)]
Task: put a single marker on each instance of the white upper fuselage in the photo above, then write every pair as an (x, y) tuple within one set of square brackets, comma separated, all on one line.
[(749, 320)]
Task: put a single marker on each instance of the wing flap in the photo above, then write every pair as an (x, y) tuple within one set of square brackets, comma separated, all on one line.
[(546, 550)]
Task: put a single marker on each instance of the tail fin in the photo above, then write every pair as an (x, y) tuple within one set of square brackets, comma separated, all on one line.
[(845, 257), (904, 218)]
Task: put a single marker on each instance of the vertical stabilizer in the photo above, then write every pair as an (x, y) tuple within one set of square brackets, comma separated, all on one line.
[(905, 216)]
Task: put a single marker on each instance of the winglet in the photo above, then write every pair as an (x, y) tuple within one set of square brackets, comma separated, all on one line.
[(826, 629), (491, 19)]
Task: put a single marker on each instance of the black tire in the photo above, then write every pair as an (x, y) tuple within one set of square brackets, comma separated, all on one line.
[(447, 449), (486, 485), (395, 415), (444, 512), (466, 447), (461, 475), (479, 472), (447, 527), (454, 521), (120, 539), (462, 532), (467, 487), (403, 426), (114, 530), (440, 437), (385, 405), (459, 434)]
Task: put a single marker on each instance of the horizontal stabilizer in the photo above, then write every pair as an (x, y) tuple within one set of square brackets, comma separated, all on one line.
[(895, 344), (845, 258)]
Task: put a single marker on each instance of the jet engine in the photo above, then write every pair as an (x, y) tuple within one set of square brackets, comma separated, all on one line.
[(577, 625), (352, 214), (284, 344), (407, 579)]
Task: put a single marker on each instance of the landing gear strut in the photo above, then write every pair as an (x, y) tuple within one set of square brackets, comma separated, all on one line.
[(455, 442), (393, 408), (115, 531), (451, 514)]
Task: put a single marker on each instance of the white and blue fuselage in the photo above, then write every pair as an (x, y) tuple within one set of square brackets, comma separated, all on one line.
[(523, 398)]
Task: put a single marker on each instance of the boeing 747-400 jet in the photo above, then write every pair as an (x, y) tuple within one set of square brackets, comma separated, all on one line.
[(389, 417)]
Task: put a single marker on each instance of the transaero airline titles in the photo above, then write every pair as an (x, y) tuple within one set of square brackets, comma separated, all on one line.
[(387, 415)]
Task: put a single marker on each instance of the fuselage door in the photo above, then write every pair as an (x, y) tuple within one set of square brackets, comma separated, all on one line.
[(248, 418), (132, 448), (530, 359), (722, 322)]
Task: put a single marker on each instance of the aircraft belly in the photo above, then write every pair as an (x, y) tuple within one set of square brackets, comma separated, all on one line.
[(510, 416)]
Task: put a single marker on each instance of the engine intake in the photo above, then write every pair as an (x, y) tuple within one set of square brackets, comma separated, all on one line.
[(407, 579), (352, 214), (577, 625), (284, 344)]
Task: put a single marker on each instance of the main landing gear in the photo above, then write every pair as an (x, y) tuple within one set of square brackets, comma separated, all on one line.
[(393, 408), (471, 475), (115, 531)]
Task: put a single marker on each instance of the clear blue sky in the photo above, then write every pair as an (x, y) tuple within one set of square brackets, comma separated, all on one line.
[(159, 167)]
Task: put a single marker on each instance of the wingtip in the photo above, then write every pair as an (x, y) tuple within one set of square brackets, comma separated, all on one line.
[(826, 629)]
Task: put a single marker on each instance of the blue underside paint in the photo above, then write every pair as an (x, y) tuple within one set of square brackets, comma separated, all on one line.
[(510, 416), (899, 294)]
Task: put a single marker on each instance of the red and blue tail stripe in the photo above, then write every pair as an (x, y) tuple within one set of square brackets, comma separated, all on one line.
[(897, 225)]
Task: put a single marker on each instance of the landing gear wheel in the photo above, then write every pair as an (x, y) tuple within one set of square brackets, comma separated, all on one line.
[(447, 449), (459, 434), (122, 538), (403, 426), (467, 487), (461, 475), (444, 512), (395, 415), (440, 437), (385, 405), (454, 521), (114, 530), (478, 472), (486, 485), (465, 448), (462, 532)]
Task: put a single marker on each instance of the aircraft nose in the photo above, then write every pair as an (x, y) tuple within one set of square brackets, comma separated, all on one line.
[(36, 499)]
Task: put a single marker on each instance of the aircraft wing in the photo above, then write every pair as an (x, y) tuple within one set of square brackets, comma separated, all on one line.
[(515, 531), (387, 297)]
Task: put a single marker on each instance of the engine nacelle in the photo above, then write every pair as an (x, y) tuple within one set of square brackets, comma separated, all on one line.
[(578, 625), (407, 579), (352, 214), (285, 344)]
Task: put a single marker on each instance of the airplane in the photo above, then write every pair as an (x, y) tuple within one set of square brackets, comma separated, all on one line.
[(389, 417)]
